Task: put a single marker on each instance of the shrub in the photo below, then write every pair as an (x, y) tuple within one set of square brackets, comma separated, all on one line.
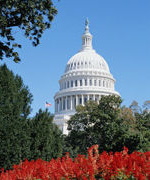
[(118, 165)]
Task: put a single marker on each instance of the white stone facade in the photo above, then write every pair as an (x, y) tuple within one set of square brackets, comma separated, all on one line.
[(86, 77)]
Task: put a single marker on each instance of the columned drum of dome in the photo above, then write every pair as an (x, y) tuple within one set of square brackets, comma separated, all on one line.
[(86, 77)]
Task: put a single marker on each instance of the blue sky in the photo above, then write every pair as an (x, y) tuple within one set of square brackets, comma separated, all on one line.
[(121, 34)]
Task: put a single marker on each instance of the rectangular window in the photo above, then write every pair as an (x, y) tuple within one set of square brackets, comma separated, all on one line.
[(85, 99), (80, 100), (103, 83), (76, 83), (99, 82), (90, 82), (74, 102), (85, 82), (80, 82), (64, 104), (68, 84), (68, 103)]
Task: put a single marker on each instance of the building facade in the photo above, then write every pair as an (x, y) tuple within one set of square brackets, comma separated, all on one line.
[(86, 77)]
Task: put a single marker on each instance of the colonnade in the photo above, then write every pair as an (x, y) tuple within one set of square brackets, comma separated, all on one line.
[(71, 101), (106, 83)]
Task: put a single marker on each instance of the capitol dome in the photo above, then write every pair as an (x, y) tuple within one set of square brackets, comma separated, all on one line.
[(86, 77), (87, 60)]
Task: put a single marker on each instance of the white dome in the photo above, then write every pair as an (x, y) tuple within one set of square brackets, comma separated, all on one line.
[(87, 60), (87, 77)]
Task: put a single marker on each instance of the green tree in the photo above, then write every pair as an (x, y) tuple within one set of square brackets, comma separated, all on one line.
[(143, 129), (15, 101), (46, 138), (101, 124), (33, 17), (135, 107), (142, 122)]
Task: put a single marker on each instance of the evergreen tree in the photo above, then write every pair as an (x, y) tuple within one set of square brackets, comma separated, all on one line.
[(15, 100), (46, 138)]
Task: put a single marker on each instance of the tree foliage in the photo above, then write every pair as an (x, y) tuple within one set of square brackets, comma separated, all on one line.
[(142, 116), (15, 100), (33, 17), (107, 124), (143, 128), (22, 137), (46, 138)]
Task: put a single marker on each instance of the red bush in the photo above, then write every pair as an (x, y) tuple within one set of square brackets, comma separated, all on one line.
[(94, 166)]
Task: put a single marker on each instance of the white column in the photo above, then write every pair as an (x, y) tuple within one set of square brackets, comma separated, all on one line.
[(99, 97), (83, 81), (78, 82), (62, 99), (71, 102), (92, 82), (88, 97), (88, 82), (82, 99), (55, 105), (77, 102), (93, 97), (66, 103), (59, 104)]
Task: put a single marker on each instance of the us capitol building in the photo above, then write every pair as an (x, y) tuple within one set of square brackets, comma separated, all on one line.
[(86, 77)]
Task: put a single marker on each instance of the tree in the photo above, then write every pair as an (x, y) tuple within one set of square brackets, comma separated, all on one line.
[(46, 138), (33, 17), (146, 106), (135, 107), (15, 101), (15, 98), (143, 128), (142, 117), (101, 124)]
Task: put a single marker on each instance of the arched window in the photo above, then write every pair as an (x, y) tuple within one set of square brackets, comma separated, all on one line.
[(95, 83)]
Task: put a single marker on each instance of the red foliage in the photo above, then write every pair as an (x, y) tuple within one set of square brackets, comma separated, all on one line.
[(94, 166)]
